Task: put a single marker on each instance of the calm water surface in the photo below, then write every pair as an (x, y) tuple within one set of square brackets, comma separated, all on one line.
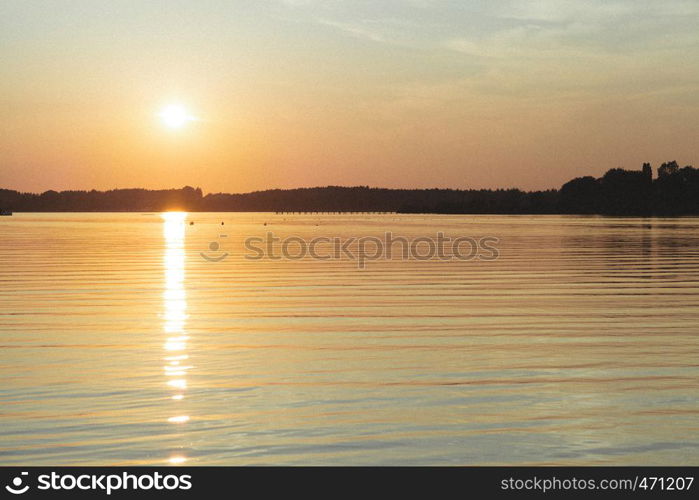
[(120, 344)]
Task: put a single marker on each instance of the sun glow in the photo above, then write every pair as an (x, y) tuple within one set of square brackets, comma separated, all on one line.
[(175, 116)]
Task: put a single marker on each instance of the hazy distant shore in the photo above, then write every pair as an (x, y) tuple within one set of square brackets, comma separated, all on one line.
[(675, 191)]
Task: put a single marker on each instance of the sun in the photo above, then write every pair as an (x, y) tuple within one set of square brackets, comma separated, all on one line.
[(175, 116)]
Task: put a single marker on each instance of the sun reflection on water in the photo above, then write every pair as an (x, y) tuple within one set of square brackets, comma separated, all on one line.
[(175, 316)]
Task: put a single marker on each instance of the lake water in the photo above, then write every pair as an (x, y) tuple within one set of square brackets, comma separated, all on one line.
[(123, 342)]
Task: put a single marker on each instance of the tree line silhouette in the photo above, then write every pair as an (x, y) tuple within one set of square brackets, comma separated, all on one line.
[(675, 191)]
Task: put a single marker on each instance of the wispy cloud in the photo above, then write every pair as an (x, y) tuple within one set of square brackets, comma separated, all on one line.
[(366, 30)]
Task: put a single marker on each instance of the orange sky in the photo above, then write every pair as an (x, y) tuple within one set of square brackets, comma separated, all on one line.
[(412, 93)]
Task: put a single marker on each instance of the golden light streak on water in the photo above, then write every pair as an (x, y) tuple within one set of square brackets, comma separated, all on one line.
[(175, 309), (180, 419)]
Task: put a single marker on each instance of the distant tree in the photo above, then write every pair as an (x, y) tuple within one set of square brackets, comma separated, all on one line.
[(626, 192), (676, 190), (580, 196), (668, 168)]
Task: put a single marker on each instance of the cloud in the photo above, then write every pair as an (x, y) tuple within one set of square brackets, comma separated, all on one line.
[(527, 40), (543, 48), (366, 30)]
